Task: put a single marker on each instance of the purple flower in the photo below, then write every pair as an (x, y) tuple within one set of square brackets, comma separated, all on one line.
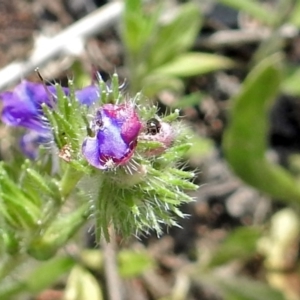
[(116, 128), (30, 142), (23, 106)]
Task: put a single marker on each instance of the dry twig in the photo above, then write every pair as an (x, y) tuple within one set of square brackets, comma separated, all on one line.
[(90, 25), (236, 38)]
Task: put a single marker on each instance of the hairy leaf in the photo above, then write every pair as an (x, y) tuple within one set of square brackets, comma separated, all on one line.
[(245, 140)]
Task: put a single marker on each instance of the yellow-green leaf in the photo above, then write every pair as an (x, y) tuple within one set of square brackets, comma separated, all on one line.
[(192, 63)]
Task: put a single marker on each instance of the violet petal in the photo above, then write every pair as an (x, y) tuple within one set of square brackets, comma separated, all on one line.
[(117, 128), (22, 106), (30, 142), (88, 95)]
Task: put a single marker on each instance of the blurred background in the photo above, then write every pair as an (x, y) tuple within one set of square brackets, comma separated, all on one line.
[(232, 67)]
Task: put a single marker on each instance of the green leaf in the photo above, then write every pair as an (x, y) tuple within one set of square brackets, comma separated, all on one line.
[(45, 275), (268, 47), (137, 26), (200, 148), (45, 185), (175, 37), (188, 100), (245, 289), (237, 288), (283, 233), (295, 15), (240, 244), (155, 83), (194, 63), (245, 139), (132, 263), (81, 78), (82, 285), (19, 210), (9, 241), (41, 278), (92, 259), (133, 5), (290, 84), (57, 234), (151, 42), (254, 9)]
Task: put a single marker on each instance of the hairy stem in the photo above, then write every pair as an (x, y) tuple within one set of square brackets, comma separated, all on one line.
[(113, 281), (69, 181)]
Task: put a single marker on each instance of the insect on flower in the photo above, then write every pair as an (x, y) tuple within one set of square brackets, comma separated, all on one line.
[(153, 126), (158, 131)]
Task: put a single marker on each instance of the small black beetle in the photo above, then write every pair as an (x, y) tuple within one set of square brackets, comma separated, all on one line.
[(153, 126)]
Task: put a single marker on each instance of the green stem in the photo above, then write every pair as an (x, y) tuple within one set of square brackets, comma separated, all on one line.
[(69, 181), (104, 195)]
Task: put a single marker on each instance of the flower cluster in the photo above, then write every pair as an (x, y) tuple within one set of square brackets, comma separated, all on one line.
[(127, 156), (23, 107)]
